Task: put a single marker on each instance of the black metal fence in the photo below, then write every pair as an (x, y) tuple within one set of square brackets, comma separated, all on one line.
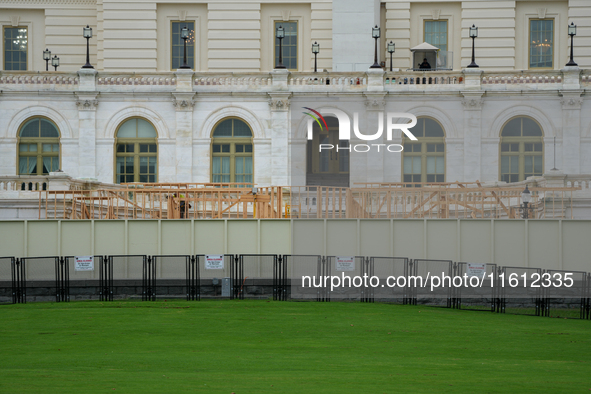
[(518, 290)]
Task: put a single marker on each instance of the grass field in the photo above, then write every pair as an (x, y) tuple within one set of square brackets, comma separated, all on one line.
[(286, 347)]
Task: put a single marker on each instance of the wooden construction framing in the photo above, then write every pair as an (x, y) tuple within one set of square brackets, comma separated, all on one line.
[(235, 201)]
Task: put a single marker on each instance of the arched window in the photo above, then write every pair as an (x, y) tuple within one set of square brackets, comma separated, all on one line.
[(231, 152), (136, 152), (522, 150), (38, 147), (424, 160)]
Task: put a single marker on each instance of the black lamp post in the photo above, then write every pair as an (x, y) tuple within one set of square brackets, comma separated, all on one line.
[(55, 62), (315, 50), (46, 57), (526, 198), (473, 34), (572, 31), (280, 34), (87, 33), (391, 50), (375, 33), (185, 37)]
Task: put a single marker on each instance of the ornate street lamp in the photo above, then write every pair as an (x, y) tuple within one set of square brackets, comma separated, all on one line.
[(87, 33), (46, 57), (572, 31), (473, 34), (185, 37), (280, 34), (526, 198), (391, 50), (315, 50), (375, 33), (55, 62)]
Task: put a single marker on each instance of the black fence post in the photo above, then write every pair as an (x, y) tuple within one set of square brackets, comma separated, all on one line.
[(275, 279), (106, 278), (62, 280), (19, 281), (192, 278)]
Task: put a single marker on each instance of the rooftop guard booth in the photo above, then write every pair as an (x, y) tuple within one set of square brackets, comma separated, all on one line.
[(427, 57)]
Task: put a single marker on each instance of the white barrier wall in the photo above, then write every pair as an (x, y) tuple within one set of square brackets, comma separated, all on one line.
[(557, 244)]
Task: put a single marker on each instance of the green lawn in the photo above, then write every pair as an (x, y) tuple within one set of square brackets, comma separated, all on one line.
[(286, 347)]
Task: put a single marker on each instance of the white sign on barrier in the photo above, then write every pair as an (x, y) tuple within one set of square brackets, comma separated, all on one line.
[(345, 263), (478, 270), (214, 262), (84, 263)]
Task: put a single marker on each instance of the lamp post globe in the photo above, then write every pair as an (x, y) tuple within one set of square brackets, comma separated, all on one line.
[(391, 50), (375, 33), (473, 35), (280, 35), (315, 51), (46, 57), (185, 37), (55, 62), (87, 33), (526, 198), (572, 32)]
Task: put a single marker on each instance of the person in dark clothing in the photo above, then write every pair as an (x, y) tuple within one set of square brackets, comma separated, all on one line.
[(425, 65)]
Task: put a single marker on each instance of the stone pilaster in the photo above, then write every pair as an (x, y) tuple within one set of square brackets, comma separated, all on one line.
[(472, 103), (279, 133), (375, 161), (183, 104), (87, 103), (571, 131)]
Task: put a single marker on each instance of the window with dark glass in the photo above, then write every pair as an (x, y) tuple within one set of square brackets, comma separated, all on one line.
[(424, 160), (38, 147), (231, 152), (16, 41), (178, 45), (136, 152), (436, 34), (541, 45), (521, 150)]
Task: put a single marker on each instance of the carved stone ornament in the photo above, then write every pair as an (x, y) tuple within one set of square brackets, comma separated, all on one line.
[(182, 104), (87, 104), (375, 104), (472, 103), (279, 104), (571, 102)]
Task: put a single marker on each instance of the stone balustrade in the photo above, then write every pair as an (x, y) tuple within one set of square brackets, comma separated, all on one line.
[(298, 81), (53, 181), (38, 81), (146, 80)]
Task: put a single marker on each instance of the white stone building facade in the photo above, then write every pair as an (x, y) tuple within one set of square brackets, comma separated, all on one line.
[(233, 77)]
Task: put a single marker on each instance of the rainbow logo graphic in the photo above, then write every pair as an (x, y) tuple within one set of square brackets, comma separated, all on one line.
[(316, 119)]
